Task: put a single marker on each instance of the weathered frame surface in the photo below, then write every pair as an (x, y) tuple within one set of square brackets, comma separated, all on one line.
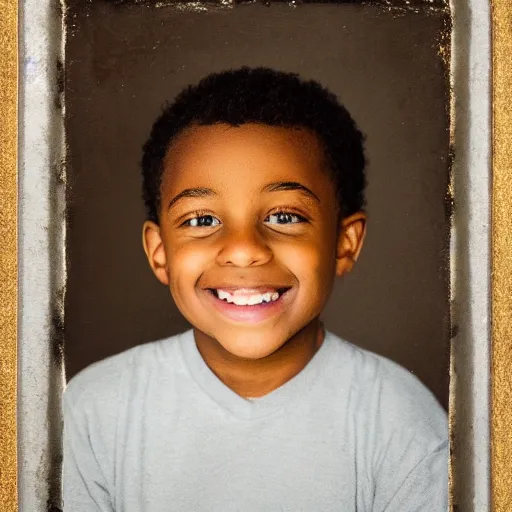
[(35, 284)]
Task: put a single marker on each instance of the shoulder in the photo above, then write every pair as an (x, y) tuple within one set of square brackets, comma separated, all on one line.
[(390, 394), (101, 384)]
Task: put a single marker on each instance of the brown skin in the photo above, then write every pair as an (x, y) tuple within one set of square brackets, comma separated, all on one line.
[(244, 245)]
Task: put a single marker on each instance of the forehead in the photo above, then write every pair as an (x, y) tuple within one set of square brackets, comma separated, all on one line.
[(245, 157)]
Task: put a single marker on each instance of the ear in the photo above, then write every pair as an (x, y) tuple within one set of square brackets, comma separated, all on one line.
[(350, 241), (155, 251)]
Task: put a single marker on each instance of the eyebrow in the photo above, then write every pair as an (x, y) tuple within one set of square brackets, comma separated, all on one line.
[(289, 185), (277, 186), (192, 192)]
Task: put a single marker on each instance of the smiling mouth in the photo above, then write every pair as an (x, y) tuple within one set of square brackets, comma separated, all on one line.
[(248, 296)]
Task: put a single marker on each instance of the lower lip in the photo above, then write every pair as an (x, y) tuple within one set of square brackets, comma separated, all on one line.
[(249, 314)]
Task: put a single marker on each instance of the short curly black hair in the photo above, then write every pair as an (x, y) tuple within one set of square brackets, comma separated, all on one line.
[(264, 96)]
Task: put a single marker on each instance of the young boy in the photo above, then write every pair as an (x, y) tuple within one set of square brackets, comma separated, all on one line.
[(254, 185)]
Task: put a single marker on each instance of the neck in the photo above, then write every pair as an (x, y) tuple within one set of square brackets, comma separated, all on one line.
[(256, 378)]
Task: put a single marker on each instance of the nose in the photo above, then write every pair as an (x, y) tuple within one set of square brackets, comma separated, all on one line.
[(243, 248)]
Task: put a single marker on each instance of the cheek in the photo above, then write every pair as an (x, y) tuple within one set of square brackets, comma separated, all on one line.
[(186, 265), (314, 264)]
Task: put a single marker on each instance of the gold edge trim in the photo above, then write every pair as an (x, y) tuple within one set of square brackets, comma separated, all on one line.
[(8, 253), (501, 421)]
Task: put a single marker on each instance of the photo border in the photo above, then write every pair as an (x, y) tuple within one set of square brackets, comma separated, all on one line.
[(501, 378), (33, 265), (8, 252)]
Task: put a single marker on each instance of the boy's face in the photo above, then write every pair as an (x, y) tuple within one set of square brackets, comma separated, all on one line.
[(248, 238)]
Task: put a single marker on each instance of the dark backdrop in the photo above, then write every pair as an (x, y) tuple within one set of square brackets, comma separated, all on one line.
[(123, 61)]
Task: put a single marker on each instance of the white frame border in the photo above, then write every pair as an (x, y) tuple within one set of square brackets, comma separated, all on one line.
[(42, 268)]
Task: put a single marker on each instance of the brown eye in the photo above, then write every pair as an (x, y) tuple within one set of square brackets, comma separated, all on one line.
[(202, 221), (285, 218)]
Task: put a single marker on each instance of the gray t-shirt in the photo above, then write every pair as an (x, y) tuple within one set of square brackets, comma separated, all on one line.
[(154, 430)]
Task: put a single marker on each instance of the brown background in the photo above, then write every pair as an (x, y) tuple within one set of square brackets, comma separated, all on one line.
[(124, 61)]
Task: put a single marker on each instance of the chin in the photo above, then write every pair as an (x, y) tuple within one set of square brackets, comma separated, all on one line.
[(247, 346)]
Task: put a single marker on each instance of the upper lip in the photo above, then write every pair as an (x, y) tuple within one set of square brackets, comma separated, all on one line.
[(250, 288)]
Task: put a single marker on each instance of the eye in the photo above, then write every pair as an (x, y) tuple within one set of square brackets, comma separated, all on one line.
[(202, 221), (284, 218)]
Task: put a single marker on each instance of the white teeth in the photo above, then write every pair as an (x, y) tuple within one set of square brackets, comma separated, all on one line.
[(247, 300)]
